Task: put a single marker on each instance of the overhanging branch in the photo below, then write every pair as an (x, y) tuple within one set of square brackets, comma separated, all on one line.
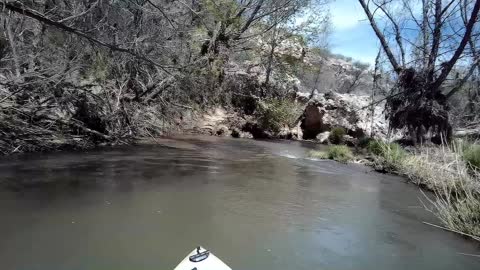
[(25, 11)]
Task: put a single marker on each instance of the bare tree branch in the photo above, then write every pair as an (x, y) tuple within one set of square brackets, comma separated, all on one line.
[(25, 11), (398, 35), (461, 47), (381, 37), (462, 82)]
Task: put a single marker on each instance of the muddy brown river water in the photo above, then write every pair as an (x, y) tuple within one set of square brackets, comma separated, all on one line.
[(257, 205)]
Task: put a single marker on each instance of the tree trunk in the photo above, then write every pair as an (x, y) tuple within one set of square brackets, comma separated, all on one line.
[(11, 40), (271, 56)]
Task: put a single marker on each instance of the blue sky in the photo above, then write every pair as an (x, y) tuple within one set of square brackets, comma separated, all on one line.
[(352, 34)]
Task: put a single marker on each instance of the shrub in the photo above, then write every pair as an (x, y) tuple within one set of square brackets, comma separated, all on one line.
[(392, 155), (365, 142), (274, 114), (336, 135), (318, 154), (100, 67), (340, 153), (375, 147), (471, 155)]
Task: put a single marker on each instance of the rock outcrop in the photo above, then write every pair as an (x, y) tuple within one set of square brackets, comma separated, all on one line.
[(351, 112), (323, 137)]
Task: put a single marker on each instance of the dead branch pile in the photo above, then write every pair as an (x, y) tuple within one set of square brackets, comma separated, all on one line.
[(45, 116), (418, 108)]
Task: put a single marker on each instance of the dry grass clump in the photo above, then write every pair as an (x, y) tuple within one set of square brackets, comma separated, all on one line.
[(471, 155), (446, 172), (340, 153), (337, 135)]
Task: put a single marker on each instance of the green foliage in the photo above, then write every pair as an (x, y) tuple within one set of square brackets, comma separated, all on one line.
[(340, 153), (291, 60), (336, 135), (298, 39), (100, 68), (392, 155), (318, 154), (225, 13), (273, 114), (197, 38), (471, 155), (365, 142), (457, 202), (384, 149), (375, 147)]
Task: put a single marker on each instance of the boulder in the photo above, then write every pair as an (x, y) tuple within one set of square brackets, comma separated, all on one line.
[(285, 133), (323, 137), (256, 131), (246, 135), (350, 141), (236, 133), (222, 131), (351, 112), (297, 133)]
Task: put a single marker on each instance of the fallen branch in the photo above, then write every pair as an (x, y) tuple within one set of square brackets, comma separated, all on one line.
[(153, 93)]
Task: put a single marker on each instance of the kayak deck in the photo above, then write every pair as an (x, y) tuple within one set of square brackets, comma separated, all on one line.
[(201, 259)]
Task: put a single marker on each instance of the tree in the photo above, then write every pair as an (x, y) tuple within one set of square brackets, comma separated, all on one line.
[(419, 103), (109, 69), (313, 29)]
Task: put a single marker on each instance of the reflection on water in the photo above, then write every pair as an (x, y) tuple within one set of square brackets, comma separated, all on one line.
[(258, 205)]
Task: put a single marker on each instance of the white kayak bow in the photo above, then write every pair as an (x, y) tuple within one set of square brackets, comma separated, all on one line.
[(202, 259)]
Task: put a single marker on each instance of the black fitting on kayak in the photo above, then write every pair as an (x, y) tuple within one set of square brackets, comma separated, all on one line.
[(200, 256)]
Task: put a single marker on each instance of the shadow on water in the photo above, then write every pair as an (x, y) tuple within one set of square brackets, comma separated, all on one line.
[(257, 204)]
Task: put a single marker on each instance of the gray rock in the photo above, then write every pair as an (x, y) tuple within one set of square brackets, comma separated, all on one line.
[(285, 133), (351, 112), (350, 141), (236, 133), (323, 137), (222, 131), (297, 133)]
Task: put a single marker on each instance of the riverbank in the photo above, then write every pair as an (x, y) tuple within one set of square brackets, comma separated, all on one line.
[(329, 117), (450, 172)]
